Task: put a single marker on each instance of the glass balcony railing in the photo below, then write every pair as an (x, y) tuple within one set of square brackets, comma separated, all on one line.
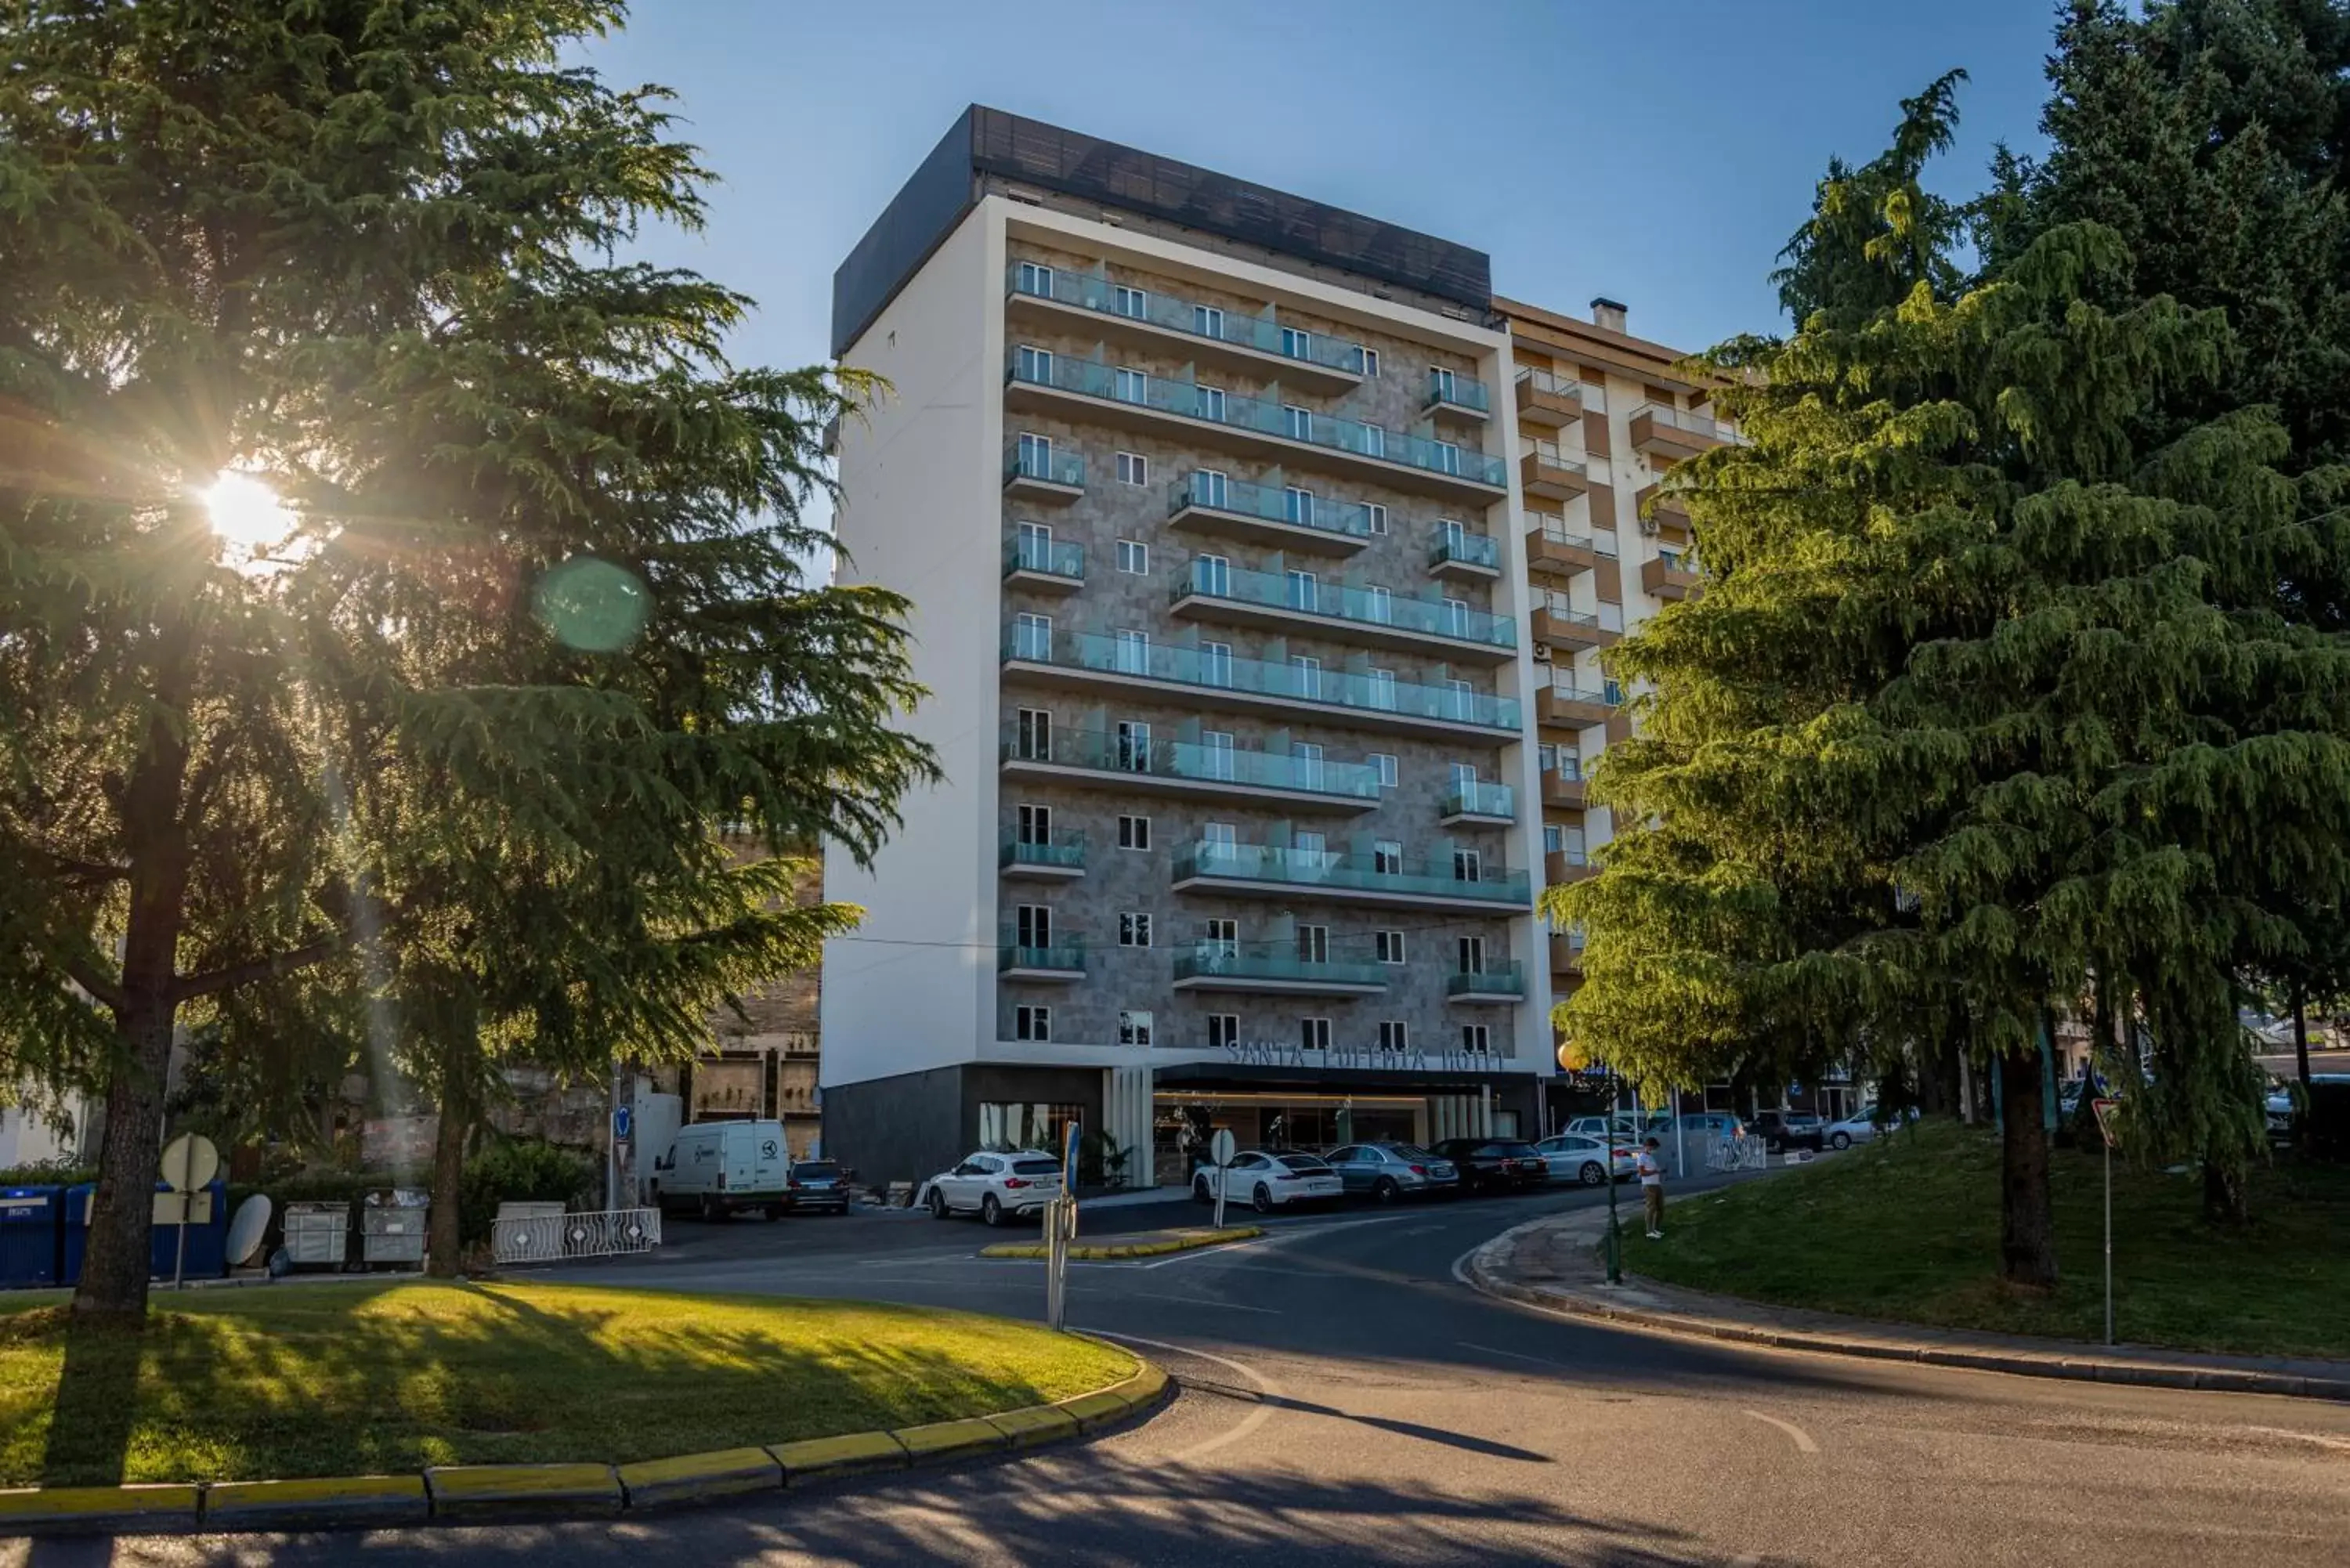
[(1167, 395), (1128, 752), (1062, 851), (1030, 554), (1481, 798), (1214, 670), (1701, 425), (1272, 504), (1048, 468), (1332, 601), (1309, 868), (1177, 314), (1458, 392), (1553, 528), (1067, 956), (1217, 960), (1457, 545), (1493, 980)]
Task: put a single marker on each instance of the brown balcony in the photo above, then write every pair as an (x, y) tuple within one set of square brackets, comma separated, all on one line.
[(1672, 434), (1566, 705), (1564, 791), (1667, 511), (1548, 402), (1555, 622), (1566, 954), (1549, 472), (1669, 576), (1555, 550), (1561, 867)]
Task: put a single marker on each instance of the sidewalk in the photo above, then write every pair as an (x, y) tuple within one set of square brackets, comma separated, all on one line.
[(1553, 1264)]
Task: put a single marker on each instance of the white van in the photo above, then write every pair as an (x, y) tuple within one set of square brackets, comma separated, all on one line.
[(717, 1167)]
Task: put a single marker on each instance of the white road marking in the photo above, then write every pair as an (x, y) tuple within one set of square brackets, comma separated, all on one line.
[(1512, 1354), (1198, 1300), (1803, 1440), (1248, 1424)]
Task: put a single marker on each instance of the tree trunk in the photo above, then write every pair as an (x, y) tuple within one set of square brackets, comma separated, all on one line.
[(444, 1237), (2301, 1117), (2226, 1200), (2027, 1228)]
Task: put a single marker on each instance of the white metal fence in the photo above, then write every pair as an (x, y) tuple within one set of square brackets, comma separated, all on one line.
[(550, 1238)]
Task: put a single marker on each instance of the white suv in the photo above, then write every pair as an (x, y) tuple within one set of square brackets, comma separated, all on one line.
[(993, 1186)]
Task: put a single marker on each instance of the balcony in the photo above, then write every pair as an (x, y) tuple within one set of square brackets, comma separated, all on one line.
[(1060, 964), (1665, 508), (1059, 857), (1135, 764), (1561, 867), (1095, 306), (1300, 602), (1671, 575), (1547, 472), (1495, 985), (1566, 953), (1554, 550), (1216, 966), (1455, 551), (1032, 562), (1546, 401), (1265, 870), (1209, 677), (1670, 435), (1278, 517), (1480, 804), (1457, 397), (1564, 789), (1564, 705), (1557, 622), (1094, 391), (1053, 479)]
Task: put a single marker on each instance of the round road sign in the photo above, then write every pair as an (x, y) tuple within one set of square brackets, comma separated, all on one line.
[(1221, 1145), (190, 1161)]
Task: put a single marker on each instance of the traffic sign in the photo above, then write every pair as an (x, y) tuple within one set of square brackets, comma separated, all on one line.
[(2106, 1124), (190, 1162), (623, 1120), (1220, 1148)]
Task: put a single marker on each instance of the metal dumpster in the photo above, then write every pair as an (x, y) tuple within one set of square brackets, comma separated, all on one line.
[(207, 1211), (318, 1235), (32, 1235), (392, 1227)]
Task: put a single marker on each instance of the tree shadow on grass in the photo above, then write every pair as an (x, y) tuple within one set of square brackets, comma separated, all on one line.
[(96, 1411)]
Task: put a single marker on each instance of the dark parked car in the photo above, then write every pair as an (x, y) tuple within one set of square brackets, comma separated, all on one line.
[(1387, 1171), (1790, 1129), (816, 1186), (1496, 1164)]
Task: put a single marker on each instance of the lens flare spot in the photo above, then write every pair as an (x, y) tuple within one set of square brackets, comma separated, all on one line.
[(593, 605)]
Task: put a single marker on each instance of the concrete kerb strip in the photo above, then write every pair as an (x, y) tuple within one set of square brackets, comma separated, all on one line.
[(1484, 1277), (471, 1493), (1100, 1251)]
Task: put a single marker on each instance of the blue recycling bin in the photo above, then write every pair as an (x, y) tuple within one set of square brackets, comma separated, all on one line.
[(32, 1232), (207, 1237)]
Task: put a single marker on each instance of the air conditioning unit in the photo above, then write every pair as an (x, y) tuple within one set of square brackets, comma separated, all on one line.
[(1542, 653), (1648, 526)]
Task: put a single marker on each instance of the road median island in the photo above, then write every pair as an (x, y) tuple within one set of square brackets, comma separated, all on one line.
[(510, 1401), (1141, 1244), (1830, 1260)]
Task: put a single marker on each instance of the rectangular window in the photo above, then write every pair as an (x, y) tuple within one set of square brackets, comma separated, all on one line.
[(1130, 386), (1213, 575), (1216, 754), (1220, 938), (1134, 746), (1221, 836), (1463, 699), (1215, 664), (1297, 422), (1296, 345), (1134, 833), (1385, 762), (1378, 519), (1448, 458), (1307, 848), (1208, 403), (1612, 691), (1035, 824), (1395, 1034), (1309, 673), (1378, 606), (1298, 506), (1036, 547), (1302, 591), (1133, 468), (1470, 953), (1468, 866), (1546, 756), (1382, 689), (1464, 775), (1133, 652), (1441, 386), (1390, 946), (1133, 929), (1032, 926), (1133, 556), (1208, 488), (1037, 455), (1036, 278), (1036, 735), (1454, 536), (1374, 440), (1386, 856), (1223, 1030), (1031, 364), (1131, 302), (1308, 757), (1032, 1023), (1032, 637), (1314, 1033), (1133, 1026), (1314, 944), (1475, 1039), (1456, 618), (1207, 321), (1554, 838), (1370, 361)]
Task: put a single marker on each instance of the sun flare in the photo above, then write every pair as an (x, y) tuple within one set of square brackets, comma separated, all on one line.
[(246, 513)]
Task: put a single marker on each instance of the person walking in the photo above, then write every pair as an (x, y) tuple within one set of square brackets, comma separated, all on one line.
[(1652, 1189)]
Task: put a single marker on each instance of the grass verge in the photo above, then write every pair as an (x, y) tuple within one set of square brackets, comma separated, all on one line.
[(353, 1379), (1909, 1230)]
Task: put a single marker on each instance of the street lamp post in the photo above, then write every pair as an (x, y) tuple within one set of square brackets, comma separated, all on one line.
[(1615, 1233)]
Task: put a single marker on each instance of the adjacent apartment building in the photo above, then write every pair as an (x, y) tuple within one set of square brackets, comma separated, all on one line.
[(1259, 560)]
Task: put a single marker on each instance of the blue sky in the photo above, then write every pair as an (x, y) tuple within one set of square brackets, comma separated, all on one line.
[(1655, 154)]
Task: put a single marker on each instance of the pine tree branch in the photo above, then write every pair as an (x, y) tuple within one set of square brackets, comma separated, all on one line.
[(257, 969)]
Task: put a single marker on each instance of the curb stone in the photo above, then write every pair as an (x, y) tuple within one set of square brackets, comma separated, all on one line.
[(1483, 1277), (949, 1439), (828, 1458), (133, 1510), (316, 1504), (689, 1477), (482, 1491)]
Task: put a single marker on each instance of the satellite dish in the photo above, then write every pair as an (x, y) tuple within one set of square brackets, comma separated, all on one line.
[(245, 1231), (190, 1162)]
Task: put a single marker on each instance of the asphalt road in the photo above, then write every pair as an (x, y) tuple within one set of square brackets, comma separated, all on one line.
[(1347, 1401)]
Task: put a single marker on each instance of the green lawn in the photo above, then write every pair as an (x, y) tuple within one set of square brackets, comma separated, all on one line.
[(350, 1379), (1911, 1231)]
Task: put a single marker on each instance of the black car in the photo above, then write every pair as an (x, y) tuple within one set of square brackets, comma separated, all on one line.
[(1496, 1164), (816, 1186), (1784, 1130)]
